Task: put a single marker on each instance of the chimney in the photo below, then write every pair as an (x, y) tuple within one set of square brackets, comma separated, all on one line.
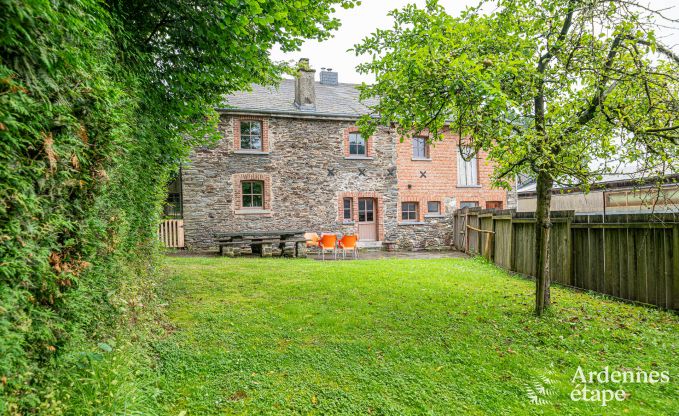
[(305, 93), (328, 77)]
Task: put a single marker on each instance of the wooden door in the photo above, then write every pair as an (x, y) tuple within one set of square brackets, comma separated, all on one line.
[(367, 219)]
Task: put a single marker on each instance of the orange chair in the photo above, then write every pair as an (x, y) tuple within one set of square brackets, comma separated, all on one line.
[(328, 242), (349, 242), (311, 239)]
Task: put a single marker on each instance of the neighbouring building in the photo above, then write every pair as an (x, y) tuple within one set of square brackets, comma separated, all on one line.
[(619, 193), (292, 158)]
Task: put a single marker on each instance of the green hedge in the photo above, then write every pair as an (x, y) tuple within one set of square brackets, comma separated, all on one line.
[(99, 102), (79, 191)]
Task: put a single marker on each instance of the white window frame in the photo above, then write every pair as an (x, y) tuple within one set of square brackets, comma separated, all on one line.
[(467, 171)]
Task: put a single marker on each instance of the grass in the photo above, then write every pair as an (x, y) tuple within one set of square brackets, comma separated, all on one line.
[(439, 336)]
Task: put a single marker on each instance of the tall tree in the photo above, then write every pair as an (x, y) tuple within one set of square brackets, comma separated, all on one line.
[(546, 87)]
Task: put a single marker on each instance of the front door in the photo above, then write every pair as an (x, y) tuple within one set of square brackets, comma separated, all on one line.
[(367, 222)]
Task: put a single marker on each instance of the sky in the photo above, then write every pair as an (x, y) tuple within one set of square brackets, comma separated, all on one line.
[(361, 21)]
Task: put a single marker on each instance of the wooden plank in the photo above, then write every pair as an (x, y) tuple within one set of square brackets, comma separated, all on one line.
[(587, 271), (659, 278), (642, 265), (503, 243), (598, 260), (674, 287), (576, 256), (622, 263), (632, 262), (653, 267), (610, 262)]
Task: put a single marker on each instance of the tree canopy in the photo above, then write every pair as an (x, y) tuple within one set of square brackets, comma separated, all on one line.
[(549, 88)]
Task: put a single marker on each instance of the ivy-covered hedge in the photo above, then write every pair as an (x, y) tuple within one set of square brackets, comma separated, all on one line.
[(98, 104), (78, 190)]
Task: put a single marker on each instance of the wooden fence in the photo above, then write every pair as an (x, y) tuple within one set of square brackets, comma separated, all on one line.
[(171, 233), (629, 256)]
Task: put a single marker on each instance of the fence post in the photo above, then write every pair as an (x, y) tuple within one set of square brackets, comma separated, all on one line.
[(512, 251), (569, 249)]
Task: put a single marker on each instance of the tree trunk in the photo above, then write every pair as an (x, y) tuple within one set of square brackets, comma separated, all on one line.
[(542, 233)]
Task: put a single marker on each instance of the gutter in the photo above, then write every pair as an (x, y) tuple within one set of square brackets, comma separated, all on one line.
[(290, 114)]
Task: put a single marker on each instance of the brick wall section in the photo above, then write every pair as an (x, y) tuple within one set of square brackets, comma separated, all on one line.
[(440, 183), (303, 194), (265, 131)]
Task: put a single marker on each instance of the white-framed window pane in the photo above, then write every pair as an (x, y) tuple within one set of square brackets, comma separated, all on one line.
[(251, 135), (409, 211), (434, 207), (467, 174), (420, 148), (253, 194), (356, 144), (347, 208)]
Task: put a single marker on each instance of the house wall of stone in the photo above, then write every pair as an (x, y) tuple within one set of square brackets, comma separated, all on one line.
[(307, 172), (434, 233)]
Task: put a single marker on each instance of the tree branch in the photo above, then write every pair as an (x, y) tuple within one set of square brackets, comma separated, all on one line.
[(659, 47)]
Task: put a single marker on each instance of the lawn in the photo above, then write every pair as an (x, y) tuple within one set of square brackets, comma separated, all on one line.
[(435, 336)]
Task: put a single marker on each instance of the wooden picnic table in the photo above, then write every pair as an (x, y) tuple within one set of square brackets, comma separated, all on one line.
[(289, 243)]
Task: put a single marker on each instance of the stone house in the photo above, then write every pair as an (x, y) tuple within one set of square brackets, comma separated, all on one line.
[(292, 158)]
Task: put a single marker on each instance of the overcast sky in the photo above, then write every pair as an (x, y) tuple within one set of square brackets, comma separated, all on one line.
[(361, 21)]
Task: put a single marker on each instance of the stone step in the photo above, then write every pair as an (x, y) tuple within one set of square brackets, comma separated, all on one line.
[(369, 245)]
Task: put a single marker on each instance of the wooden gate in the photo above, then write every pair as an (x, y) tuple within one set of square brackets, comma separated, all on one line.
[(171, 233)]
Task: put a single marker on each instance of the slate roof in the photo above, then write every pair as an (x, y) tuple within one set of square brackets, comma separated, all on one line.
[(339, 100)]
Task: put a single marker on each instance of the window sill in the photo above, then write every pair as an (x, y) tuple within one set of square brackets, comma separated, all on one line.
[(348, 222), (412, 223), (469, 186), (421, 159), (358, 158), (250, 152), (434, 216), (252, 212)]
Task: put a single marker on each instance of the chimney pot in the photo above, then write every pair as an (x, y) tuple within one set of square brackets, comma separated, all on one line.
[(328, 77)]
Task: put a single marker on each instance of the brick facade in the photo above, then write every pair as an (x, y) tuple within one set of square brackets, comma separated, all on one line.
[(306, 173), (436, 178)]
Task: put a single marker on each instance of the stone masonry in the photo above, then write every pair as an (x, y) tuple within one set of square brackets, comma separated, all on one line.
[(307, 173)]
